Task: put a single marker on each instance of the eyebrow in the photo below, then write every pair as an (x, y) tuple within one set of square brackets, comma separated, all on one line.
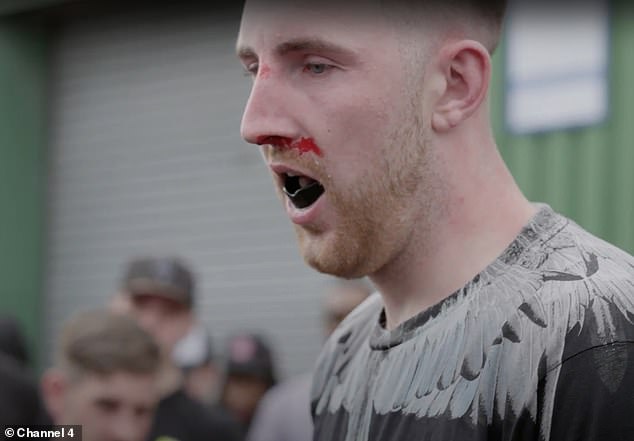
[(300, 45)]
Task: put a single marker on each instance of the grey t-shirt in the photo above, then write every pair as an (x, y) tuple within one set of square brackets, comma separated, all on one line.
[(283, 414), (538, 346)]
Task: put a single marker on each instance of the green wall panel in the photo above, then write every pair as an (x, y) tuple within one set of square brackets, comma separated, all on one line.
[(22, 141), (585, 173)]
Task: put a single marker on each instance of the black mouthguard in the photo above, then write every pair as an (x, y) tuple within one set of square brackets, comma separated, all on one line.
[(303, 197)]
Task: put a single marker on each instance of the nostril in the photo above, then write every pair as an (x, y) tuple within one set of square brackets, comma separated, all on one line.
[(262, 140), (278, 141)]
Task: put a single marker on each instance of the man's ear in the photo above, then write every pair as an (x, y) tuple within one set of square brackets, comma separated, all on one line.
[(54, 385), (465, 67)]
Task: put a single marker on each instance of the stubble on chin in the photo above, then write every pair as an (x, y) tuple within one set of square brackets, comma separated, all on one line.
[(377, 215), (346, 249)]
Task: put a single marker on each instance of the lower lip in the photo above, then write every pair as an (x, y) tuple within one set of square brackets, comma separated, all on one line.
[(303, 216)]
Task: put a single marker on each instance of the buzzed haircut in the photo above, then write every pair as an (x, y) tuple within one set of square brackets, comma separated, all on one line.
[(103, 343), (493, 10), (488, 14)]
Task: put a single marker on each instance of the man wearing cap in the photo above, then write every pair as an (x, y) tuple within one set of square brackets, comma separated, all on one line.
[(159, 293), (250, 374), (195, 356)]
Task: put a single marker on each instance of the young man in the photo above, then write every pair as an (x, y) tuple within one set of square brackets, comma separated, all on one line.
[(250, 372), (20, 401), (159, 293), (194, 355), (104, 379), (497, 319)]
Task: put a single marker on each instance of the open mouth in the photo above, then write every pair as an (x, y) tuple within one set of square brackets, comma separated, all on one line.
[(301, 190)]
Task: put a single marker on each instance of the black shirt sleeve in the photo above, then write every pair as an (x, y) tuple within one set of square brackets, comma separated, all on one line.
[(594, 399), (20, 402)]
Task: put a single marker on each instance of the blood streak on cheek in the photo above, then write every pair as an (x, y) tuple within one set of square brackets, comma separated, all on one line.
[(303, 145)]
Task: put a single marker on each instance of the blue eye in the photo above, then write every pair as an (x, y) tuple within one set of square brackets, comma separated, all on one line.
[(316, 68)]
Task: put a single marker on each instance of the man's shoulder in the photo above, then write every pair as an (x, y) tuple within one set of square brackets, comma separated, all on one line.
[(359, 322), (588, 267), (19, 399), (357, 325), (284, 412), (346, 340), (573, 239), (290, 390), (583, 294), (180, 417)]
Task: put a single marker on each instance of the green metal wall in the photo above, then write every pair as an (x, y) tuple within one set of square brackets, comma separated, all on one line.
[(22, 146), (587, 173)]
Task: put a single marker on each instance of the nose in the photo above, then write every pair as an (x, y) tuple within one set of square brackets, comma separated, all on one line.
[(150, 320), (269, 111), (129, 428)]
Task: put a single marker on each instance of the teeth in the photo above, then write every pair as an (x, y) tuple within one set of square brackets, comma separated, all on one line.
[(291, 174)]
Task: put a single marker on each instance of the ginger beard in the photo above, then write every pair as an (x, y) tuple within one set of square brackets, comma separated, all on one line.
[(375, 217)]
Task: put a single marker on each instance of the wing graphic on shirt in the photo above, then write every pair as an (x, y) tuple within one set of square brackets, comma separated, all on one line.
[(509, 323)]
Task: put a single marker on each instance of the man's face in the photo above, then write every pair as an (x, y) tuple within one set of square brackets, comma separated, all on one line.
[(166, 320), (332, 102), (241, 395), (118, 407)]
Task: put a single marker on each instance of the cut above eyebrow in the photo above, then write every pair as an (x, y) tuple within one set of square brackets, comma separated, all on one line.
[(299, 45)]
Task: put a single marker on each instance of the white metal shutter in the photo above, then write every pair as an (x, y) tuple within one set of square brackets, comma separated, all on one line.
[(146, 157)]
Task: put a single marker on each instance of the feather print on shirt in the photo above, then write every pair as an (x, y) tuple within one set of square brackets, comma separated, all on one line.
[(480, 354)]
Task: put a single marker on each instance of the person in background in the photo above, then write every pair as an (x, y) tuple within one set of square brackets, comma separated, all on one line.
[(250, 372), (195, 356), (159, 293), (12, 341), (20, 400), (283, 414), (104, 378)]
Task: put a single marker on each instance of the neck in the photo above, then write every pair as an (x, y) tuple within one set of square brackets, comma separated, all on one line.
[(483, 211), (170, 379)]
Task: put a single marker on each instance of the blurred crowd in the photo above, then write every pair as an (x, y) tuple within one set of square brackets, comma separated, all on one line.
[(144, 368)]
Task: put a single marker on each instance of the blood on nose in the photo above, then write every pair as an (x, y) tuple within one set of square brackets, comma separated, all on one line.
[(265, 72), (303, 145)]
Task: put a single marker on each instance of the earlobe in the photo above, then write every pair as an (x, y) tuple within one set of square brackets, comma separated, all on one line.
[(466, 67)]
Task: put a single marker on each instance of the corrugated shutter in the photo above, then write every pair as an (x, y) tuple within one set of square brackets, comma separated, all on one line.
[(146, 157)]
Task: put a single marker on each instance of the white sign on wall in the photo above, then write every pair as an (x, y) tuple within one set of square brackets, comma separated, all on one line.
[(556, 65)]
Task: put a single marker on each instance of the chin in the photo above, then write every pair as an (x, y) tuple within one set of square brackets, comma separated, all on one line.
[(330, 254)]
